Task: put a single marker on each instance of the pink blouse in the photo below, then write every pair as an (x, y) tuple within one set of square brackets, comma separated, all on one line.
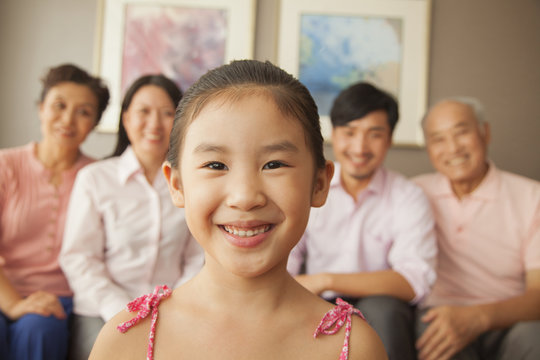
[(32, 218), (330, 324)]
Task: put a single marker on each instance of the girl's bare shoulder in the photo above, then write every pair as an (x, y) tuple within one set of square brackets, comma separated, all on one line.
[(364, 342), (111, 343)]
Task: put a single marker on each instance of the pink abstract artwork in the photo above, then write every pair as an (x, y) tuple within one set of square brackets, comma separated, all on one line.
[(180, 42)]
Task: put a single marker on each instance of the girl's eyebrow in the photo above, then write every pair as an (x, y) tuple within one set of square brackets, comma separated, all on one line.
[(282, 146), (207, 147)]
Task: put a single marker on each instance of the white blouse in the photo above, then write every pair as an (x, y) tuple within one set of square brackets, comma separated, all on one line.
[(123, 237)]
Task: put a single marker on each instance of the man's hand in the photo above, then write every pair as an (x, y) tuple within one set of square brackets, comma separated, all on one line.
[(316, 283), (450, 329), (40, 302)]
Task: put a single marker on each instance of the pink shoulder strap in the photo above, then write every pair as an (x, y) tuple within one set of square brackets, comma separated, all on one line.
[(145, 305), (334, 319)]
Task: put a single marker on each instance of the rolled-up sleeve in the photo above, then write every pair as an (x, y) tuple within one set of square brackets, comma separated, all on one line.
[(414, 249)]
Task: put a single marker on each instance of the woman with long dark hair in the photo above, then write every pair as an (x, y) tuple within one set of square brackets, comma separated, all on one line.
[(123, 234)]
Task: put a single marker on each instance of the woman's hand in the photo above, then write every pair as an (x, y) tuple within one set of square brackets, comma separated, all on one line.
[(40, 302)]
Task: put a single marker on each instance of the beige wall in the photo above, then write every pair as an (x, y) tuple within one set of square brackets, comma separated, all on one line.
[(483, 48)]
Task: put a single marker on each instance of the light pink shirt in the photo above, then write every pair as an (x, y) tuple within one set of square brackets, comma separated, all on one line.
[(487, 240), (32, 217), (123, 237), (390, 226)]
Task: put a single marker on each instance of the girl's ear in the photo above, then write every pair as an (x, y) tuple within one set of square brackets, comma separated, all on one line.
[(175, 184), (322, 184)]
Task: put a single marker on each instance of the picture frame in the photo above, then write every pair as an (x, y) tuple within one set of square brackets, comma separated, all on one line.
[(384, 42), (182, 39)]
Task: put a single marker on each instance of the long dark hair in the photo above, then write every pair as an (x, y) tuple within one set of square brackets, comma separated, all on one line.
[(163, 82)]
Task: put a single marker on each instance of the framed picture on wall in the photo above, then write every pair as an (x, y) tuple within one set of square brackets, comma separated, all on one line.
[(182, 39), (330, 45)]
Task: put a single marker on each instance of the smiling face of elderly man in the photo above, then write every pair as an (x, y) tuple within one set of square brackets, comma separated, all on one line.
[(457, 140)]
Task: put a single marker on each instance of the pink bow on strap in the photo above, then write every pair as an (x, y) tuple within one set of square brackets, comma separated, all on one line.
[(144, 305), (333, 321)]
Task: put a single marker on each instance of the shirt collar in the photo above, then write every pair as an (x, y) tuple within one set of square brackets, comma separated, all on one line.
[(486, 190), (128, 165), (488, 187)]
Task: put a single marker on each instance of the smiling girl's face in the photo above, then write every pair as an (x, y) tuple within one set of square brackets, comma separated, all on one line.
[(248, 182)]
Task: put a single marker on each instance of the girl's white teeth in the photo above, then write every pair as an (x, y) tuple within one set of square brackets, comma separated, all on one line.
[(246, 233)]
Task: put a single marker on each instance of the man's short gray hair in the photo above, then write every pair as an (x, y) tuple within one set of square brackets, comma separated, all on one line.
[(473, 103)]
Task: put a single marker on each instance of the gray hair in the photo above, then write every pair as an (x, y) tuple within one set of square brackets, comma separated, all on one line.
[(473, 103)]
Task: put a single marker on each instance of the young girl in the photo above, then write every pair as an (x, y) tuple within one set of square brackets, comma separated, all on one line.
[(246, 162)]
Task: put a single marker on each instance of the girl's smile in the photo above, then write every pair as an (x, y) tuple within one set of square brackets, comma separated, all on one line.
[(246, 236), (247, 180)]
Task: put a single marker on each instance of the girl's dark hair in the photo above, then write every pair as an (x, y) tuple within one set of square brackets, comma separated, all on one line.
[(159, 80), (245, 77), (360, 99), (72, 73)]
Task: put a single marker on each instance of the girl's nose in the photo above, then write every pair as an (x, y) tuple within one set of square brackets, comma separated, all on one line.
[(245, 192)]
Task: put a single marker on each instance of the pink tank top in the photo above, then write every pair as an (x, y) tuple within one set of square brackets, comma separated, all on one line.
[(330, 324)]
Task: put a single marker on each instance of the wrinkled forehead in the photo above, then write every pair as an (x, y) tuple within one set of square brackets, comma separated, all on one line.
[(449, 115)]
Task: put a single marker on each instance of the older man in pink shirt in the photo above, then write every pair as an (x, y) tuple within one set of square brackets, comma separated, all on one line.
[(373, 241), (485, 303)]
